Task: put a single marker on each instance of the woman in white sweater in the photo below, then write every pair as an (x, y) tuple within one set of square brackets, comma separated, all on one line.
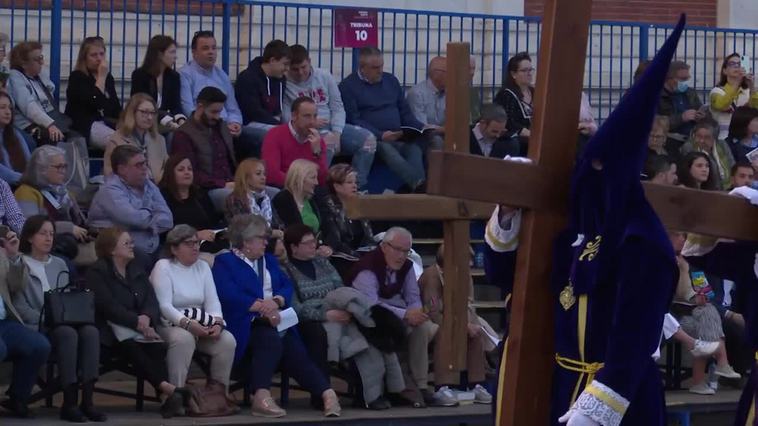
[(190, 308)]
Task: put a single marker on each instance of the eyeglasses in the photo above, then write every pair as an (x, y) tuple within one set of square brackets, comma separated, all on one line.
[(40, 58), (147, 112), (526, 70), (93, 38), (203, 33), (731, 64), (191, 243), (59, 167), (398, 249)]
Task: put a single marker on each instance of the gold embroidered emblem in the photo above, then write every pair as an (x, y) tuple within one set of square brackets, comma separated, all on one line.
[(567, 298), (591, 249)]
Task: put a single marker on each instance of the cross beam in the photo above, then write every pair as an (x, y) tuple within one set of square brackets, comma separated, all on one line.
[(529, 186), (416, 207)]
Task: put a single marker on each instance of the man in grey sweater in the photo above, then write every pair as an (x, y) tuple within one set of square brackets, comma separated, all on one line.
[(305, 80)]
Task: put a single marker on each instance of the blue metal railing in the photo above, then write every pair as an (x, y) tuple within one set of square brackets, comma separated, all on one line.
[(409, 39)]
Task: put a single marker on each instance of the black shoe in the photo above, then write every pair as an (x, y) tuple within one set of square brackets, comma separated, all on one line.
[(92, 414), (16, 409), (379, 404), (71, 413), (173, 405)]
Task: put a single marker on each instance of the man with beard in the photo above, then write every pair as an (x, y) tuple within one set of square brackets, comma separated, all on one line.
[(205, 140)]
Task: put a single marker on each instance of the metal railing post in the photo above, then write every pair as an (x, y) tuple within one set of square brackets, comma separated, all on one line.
[(226, 35), (56, 30), (644, 40)]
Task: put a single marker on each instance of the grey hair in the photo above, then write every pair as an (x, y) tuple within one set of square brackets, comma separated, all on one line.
[(493, 112), (39, 162), (244, 227), (396, 231), (179, 234), (366, 52)]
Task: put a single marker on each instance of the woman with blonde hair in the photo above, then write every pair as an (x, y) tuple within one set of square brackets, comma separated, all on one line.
[(91, 98), (249, 195), (138, 126)]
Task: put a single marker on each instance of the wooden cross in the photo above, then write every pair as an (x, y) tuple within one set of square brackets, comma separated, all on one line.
[(542, 189), (455, 214)]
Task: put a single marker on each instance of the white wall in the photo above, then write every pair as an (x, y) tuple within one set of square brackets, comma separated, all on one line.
[(492, 7), (738, 14)]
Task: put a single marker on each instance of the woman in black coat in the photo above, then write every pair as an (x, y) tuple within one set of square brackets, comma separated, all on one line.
[(91, 98), (157, 78), (517, 96), (127, 314)]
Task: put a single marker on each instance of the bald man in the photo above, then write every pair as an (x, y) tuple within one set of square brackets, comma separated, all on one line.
[(427, 98)]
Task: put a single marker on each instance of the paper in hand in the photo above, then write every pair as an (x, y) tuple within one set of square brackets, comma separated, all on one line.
[(288, 318)]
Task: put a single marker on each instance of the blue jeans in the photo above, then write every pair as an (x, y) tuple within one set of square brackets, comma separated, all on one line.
[(405, 159), (352, 142), (28, 350)]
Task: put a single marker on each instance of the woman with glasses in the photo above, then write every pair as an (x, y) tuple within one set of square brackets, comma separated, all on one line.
[(157, 78), (735, 89), (138, 127), (128, 315), (191, 311), (656, 142), (37, 111), (517, 96), (43, 191), (76, 348), (91, 98), (254, 291)]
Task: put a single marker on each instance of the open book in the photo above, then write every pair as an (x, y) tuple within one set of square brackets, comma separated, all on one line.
[(410, 132)]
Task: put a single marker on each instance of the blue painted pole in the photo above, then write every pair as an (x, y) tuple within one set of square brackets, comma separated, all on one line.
[(56, 30), (226, 35)]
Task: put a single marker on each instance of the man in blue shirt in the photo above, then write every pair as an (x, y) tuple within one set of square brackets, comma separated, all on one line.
[(202, 72), (374, 100)]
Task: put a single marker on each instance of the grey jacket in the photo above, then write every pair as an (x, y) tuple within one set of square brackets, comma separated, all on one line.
[(30, 300), (375, 368), (13, 279), (31, 105)]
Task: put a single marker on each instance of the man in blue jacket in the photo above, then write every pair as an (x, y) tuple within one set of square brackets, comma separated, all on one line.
[(375, 100), (260, 91)]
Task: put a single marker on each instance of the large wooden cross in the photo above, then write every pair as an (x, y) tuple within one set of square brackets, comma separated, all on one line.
[(541, 189)]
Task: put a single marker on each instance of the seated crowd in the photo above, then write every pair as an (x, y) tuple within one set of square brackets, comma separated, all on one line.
[(221, 218), (709, 147)]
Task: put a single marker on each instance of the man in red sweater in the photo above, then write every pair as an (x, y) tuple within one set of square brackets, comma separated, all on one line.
[(297, 139)]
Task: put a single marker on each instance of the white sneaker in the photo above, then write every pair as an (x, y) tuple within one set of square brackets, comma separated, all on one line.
[(727, 372), (702, 389), (481, 396), (444, 397), (703, 348)]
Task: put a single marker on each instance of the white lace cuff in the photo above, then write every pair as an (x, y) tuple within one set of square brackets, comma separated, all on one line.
[(602, 404), (502, 236)]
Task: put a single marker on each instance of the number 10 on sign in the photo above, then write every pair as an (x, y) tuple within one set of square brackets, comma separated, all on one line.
[(355, 28)]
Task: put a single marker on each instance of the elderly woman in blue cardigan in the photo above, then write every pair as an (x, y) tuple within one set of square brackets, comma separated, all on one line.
[(253, 291)]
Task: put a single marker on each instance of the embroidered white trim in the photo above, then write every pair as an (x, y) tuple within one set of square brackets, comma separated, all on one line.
[(598, 410)]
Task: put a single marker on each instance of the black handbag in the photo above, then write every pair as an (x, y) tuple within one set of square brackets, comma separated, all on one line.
[(69, 305)]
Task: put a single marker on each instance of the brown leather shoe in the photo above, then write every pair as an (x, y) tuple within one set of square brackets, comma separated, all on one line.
[(267, 407), (332, 406)]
